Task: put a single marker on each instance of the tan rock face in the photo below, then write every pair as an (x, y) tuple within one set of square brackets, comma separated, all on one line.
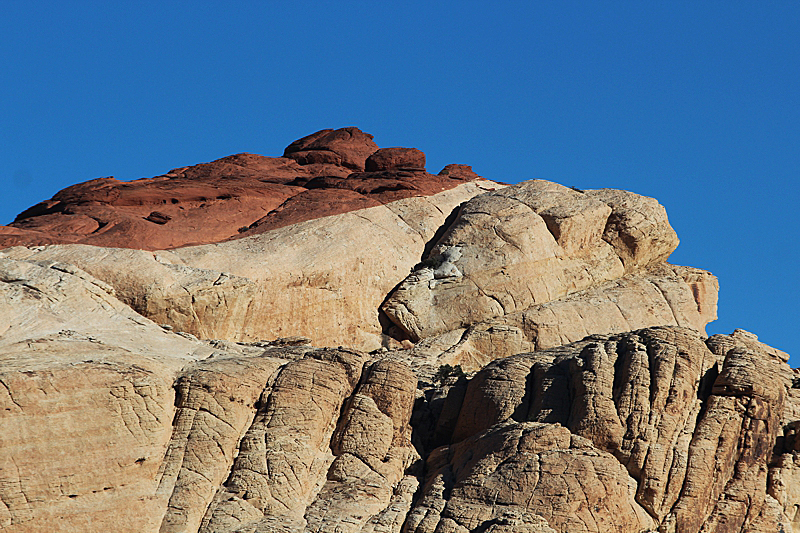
[(85, 403), (733, 442), (285, 453), (323, 278), (215, 403), (661, 295), (531, 468), (637, 227), (598, 404), (134, 428), (367, 488), (527, 245), (693, 422)]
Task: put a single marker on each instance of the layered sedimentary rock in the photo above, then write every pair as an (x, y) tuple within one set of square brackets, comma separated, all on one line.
[(289, 376), (538, 265), (323, 278), (693, 423), (312, 259), (663, 294), (111, 422), (525, 245), (591, 275), (86, 402)]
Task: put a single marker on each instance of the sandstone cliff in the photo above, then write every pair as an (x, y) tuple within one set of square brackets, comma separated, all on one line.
[(163, 371)]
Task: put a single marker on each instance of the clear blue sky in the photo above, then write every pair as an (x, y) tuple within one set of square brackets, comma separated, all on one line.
[(694, 103)]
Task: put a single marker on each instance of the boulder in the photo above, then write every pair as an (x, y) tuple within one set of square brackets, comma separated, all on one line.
[(457, 171), (395, 159), (346, 147)]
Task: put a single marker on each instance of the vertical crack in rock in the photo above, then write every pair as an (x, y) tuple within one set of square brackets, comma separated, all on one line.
[(368, 483), (638, 396), (733, 443), (215, 402), (594, 414), (10, 395), (16, 505), (441, 231), (284, 456)]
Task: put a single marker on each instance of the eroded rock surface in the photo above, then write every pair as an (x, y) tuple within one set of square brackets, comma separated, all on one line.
[(232, 197), (323, 278), (661, 295), (85, 402), (112, 422), (527, 245), (693, 422), (251, 383), (527, 468), (508, 268)]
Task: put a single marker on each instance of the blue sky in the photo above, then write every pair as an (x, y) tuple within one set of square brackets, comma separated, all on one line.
[(694, 103)]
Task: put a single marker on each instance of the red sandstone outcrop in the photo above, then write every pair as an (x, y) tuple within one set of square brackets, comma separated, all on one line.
[(345, 147), (395, 159), (599, 404), (232, 197)]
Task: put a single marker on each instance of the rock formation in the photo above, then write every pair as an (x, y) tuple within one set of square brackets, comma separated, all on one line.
[(239, 195), (259, 344)]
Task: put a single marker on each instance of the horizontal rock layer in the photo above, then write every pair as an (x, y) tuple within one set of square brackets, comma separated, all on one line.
[(526, 245), (323, 278), (489, 257)]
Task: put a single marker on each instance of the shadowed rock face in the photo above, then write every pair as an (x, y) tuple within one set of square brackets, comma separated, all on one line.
[(138, 392), (676, 430)]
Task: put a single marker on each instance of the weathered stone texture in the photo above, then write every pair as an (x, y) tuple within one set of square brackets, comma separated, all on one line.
[(527, 467), (215, 405), (323, 278), (536, 243), (138, 393), (693, 422)]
